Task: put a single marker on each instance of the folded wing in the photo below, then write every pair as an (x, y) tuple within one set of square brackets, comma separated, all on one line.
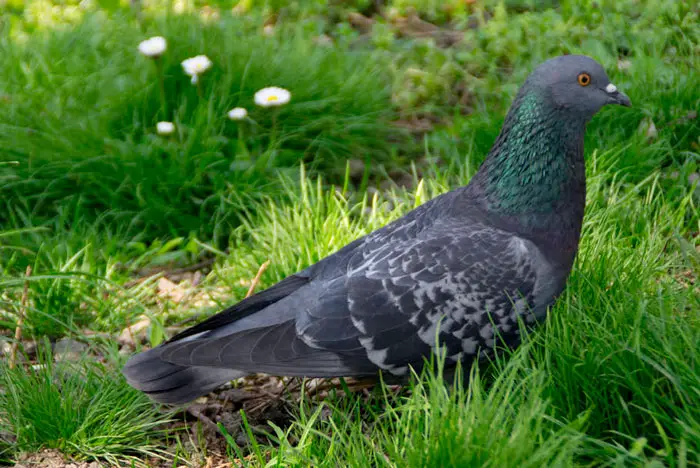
[(386, 307)]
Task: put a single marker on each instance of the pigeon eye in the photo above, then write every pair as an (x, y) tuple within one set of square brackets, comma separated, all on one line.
[(584, 79)]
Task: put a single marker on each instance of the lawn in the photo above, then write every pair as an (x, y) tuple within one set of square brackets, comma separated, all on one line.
[(114, 237)]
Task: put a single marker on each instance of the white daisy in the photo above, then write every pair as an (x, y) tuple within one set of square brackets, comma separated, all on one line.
[(237, 113), (272, 96), (165, 128), (153, 47), (195, 66)]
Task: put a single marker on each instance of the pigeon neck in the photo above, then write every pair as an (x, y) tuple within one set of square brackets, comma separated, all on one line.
[(536, 166)]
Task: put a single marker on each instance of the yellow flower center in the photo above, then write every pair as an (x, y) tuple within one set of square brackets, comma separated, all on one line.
[(272, 98)]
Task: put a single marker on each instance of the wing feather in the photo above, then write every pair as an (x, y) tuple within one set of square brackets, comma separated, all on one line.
[(390, 299)]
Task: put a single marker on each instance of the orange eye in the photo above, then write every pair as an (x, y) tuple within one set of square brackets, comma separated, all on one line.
[(584, 79)]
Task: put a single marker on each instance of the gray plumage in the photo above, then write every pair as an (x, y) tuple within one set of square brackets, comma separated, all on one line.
[(461, 269)]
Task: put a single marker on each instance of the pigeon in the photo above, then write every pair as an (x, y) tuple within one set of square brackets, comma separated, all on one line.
[(459, 273)]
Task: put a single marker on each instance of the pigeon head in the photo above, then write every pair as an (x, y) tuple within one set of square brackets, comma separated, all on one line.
[(575, 84), (534, 176)]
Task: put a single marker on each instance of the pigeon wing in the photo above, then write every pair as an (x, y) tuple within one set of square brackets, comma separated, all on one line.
[(387, 308), (453, 283), (247, 306)]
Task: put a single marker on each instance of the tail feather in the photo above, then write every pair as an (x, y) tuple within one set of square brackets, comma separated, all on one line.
[(170, 383), (167, 382)]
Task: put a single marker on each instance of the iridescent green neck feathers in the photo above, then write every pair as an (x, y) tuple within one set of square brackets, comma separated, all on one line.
[(536, 164)]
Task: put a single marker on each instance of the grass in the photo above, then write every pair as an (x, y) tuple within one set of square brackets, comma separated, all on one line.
[(93, 199), (84, 409), (88, 121), (435, 426)]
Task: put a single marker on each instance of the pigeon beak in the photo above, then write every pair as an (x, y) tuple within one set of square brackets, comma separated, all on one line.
[(617, 97)]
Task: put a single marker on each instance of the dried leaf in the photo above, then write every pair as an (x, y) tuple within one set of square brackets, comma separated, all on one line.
[(132, 333), (168, 289)]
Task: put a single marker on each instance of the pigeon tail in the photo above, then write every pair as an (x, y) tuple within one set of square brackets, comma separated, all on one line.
[(170, 383)]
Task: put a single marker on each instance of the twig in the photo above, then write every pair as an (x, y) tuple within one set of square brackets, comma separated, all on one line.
[(20, 319), (353, 386), (292, 385), (147, 274), (256, 280), (196, 411)]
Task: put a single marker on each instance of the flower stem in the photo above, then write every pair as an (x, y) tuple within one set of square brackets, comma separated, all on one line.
[(200, 92), (161, 86), (273, 134), (272, 147), (241, 141)]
